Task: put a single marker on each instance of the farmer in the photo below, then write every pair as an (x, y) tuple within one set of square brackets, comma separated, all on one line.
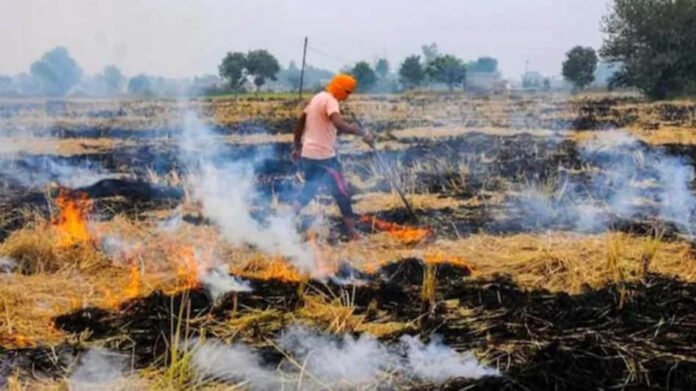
[(315, 147)]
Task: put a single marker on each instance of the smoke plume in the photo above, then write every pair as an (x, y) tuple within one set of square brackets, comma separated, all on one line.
[(218, 282), (227, 190), (438, 363), (624, 179), (338, 362), (7, 265), (36, 172), (99, 369)]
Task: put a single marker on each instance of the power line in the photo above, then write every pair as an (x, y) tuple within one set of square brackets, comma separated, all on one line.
[(328, 55)]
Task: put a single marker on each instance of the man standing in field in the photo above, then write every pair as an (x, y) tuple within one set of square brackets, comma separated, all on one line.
[(315, 147)]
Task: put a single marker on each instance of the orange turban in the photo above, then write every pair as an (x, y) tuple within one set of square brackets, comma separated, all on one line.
[(341, 86)]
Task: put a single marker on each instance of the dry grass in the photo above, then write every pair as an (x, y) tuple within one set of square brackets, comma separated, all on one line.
[(429, 284), (56, 280), (61, 147), (558, 261), (65, 280), (249, 325), (446, 132), (530, 111), (337, 315), (28, 303), (36, 249), (570, 262), (664, 135)]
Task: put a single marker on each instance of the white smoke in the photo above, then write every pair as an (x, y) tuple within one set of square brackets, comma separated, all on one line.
[(29, 171), (115, 247), (677, 202), (226, 191), (438, 363), (12, 145), (7, 265), (171, 223), (99, 369), (340, 361), (637, 175), (626, 180), (218, 282), (321, 361), (235, 364), (19, 167)]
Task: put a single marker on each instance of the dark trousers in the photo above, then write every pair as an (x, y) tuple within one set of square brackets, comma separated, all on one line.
[(325, 172)]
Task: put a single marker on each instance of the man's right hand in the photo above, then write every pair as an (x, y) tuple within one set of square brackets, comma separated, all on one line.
[(296, 154)]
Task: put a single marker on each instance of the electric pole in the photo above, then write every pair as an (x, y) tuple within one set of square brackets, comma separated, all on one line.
[(304, 57)]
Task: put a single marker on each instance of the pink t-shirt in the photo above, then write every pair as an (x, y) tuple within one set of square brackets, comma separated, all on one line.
[(320, 133)]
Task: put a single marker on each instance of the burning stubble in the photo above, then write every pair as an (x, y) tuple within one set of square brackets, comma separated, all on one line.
[(71, 222), (623, 180)]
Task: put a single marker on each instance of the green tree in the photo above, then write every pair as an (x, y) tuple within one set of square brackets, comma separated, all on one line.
[(233, 69), (292, 75), (382, 68), (261, 65), (580, 66), (430, 53), (113, 79), (140, 85), (363, 73), (655, 42), (56, 71), (484, 65), (411, 72), (447, 69)]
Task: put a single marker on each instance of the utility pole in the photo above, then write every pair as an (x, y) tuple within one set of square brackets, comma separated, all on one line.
[(304, 57)]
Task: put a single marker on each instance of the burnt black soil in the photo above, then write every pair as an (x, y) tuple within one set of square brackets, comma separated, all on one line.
[(493, 164), (595, 340), (634, 336)]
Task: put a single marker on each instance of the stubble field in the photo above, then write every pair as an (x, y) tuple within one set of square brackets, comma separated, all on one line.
[(150, 245)]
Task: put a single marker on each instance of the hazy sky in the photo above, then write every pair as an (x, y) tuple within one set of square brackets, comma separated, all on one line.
[(189, 37)]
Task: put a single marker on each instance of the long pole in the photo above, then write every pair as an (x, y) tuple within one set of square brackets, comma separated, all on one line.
[(304, 58)]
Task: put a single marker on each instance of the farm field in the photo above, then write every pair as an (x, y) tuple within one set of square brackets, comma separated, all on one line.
[(552, 245)]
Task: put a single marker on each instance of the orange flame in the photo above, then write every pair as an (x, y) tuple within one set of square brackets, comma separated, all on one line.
[(407, 235), (110, 299), (71, 223), (133, 289), (439, 258), (187, 269), (273, 269)]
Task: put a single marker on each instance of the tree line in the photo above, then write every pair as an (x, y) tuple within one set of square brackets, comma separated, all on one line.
[(650, 43), (260, 66), (56, 73)]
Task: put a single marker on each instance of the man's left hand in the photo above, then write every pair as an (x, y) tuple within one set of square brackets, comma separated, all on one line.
[(369, 139), (296, 154)]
